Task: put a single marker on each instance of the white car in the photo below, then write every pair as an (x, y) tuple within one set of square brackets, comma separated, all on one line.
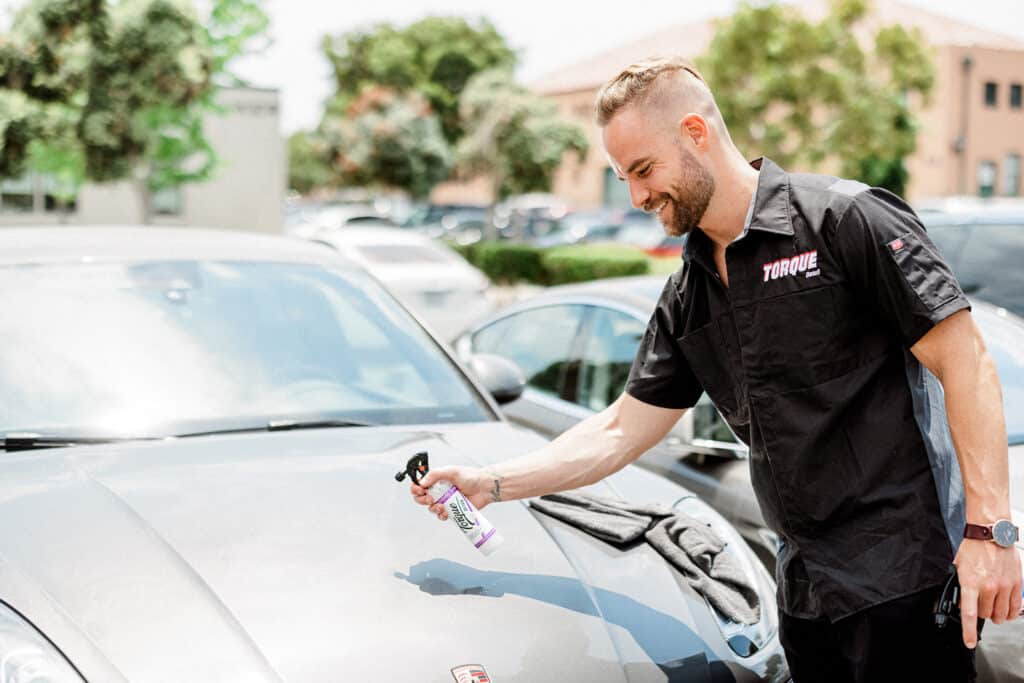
[(433, 281)]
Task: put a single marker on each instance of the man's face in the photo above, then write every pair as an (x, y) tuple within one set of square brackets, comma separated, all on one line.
[(663, 175)]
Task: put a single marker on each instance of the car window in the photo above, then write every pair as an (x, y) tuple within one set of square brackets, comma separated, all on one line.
[(140, 347), (990, 265), (539, 341), (708, 423), (611, 344)]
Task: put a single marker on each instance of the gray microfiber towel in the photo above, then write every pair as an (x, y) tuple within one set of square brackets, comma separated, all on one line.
[(689, 544), (607, 518), (696, 551)]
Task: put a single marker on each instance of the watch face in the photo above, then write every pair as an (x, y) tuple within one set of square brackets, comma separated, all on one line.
[(1004, 533)]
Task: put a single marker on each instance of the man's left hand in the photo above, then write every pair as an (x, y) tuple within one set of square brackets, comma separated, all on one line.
[(990, 585)]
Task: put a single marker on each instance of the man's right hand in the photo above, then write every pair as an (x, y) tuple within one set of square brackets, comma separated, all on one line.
[(476, 484)]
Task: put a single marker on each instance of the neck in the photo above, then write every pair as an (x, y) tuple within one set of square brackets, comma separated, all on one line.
[(735, 186)]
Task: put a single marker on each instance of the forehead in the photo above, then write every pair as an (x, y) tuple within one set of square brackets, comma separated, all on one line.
[(629, 136)]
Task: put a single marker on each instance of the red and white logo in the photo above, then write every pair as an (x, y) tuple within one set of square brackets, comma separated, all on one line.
[(471, 673), (896, 244), (806, 263)]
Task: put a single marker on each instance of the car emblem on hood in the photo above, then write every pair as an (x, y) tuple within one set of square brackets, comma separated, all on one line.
[(470, 673)]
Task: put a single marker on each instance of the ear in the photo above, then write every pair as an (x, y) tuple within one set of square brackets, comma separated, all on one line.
[(694, 127)]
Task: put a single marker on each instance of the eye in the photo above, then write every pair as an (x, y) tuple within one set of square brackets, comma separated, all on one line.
[(644, 172)]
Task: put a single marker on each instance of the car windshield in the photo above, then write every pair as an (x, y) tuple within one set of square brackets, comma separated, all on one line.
[(404, 253), (170, 347)]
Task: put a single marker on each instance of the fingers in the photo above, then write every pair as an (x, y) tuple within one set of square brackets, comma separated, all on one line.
[(969, 616), (1015, 605)]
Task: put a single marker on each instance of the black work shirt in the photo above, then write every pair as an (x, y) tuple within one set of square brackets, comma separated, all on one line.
[(805, 354)]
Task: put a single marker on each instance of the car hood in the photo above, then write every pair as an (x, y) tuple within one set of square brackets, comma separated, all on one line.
[(297, 556)]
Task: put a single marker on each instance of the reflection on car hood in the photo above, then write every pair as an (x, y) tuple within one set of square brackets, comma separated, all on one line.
[(297, 556)]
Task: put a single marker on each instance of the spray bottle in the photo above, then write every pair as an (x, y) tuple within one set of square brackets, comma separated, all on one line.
[(471, 523)]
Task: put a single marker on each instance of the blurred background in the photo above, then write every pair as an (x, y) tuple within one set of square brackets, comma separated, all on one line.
[(470, 125)]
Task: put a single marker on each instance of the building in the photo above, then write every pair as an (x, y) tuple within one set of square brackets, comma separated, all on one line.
[(246, 192), (972, 134)]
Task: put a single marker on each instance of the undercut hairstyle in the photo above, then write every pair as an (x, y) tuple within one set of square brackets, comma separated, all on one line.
[(639, 83)]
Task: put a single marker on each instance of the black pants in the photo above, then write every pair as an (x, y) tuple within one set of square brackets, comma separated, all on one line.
[(893, 641)]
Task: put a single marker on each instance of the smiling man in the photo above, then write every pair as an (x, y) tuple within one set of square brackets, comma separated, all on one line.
[(821, 321)]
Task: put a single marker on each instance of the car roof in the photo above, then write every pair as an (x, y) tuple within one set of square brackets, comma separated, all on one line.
[(639, 292), (137, 243)]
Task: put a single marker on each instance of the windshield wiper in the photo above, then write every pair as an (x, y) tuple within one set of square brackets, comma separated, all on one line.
[(281, 426), (28, 441)]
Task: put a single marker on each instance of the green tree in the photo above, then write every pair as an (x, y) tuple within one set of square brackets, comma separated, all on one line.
[(307, 162), (387, 139), (806, 93), (435, 57), (514, 136), (118, 90)]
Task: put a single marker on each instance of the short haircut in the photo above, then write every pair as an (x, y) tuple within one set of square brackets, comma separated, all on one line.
[(636, 84)]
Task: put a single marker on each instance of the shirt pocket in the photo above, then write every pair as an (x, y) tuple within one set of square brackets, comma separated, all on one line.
[(707, 354), (792, 341)]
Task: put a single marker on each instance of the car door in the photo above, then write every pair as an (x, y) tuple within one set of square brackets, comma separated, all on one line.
[(543, 342)]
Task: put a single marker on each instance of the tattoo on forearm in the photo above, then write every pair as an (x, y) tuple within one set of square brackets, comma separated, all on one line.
[(496, 491)]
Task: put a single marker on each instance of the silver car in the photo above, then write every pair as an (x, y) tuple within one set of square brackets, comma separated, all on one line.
[(576, 343), (201, 431)]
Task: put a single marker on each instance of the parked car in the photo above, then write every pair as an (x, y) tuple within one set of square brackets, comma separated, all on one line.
[(201, 432), (985, 248), (580, 227), (648, 234), (428, 277)]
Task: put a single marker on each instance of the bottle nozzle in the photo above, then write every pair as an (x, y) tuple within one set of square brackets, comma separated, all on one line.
[(416, 468)]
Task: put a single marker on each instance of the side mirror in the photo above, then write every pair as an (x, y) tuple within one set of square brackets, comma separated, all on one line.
[(501, 377)]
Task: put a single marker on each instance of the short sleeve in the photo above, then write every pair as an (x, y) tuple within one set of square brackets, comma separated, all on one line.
[(661, 375), (891, 262)]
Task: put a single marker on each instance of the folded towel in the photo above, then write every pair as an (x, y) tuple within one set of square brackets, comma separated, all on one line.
[(688, 543), (696, 551), (607, 518)]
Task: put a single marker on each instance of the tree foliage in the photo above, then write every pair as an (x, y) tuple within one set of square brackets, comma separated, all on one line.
[(806, 93), (108, 90), (435, 57), (388, 139), (513, 135)]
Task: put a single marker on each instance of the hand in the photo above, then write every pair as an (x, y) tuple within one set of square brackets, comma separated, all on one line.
[(475, 484), (990, 585)]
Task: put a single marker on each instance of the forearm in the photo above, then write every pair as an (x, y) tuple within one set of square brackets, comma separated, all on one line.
[(975, 410), (588, 452)]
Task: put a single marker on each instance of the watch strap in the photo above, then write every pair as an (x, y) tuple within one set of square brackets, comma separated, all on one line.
[(980, 532)]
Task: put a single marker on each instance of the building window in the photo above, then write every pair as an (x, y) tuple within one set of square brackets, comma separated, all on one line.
[(168, 202), (986, 178), (17, 195), (1011, 175), (991, 94), (1015, 96)]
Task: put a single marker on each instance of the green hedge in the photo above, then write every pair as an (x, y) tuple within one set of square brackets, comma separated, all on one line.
[(506, 262), (592, 262)]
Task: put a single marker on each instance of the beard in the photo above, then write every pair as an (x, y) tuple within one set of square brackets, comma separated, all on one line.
[(689, 198)]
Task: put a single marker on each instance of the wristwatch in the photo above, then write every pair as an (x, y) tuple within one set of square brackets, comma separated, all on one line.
[(1003, 532)]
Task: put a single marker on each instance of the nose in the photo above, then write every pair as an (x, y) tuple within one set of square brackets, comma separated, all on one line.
[(638, 194)]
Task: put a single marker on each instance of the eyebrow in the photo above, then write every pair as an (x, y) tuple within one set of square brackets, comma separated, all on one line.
[(632, 167)]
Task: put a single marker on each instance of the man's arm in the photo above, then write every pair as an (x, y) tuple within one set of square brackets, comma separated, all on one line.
[(588, 452), (990, 576)]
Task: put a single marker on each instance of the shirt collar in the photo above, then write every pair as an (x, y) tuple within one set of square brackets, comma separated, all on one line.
[(769, 211)]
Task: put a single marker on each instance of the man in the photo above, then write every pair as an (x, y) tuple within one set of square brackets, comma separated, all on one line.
[(819, 318)]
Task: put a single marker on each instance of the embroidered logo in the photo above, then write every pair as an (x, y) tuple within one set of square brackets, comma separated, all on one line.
[(806, 263), (896, 244), (470, 673)]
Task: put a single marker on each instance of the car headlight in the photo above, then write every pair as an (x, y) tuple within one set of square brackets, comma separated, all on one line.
[(743, 639), (27, 657)]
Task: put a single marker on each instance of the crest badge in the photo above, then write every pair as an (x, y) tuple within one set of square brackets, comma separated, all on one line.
[(470, 673)]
